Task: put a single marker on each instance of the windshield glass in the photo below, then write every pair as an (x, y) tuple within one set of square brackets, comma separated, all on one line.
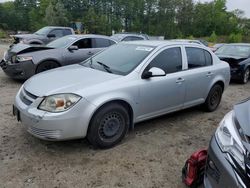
[(62, 42), (234, 50), (119, 59), (43, 31)]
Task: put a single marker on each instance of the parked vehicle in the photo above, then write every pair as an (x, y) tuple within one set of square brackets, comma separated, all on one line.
[(104, 96), (216, 46), (44, 35), (228, 163), (129, 36), (238, 57), (23, 61), (189, 41)]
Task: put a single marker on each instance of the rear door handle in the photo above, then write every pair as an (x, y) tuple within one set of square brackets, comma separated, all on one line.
[(179, 80), (209, 74)]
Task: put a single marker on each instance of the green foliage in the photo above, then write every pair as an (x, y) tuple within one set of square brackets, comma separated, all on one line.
[(56, 14), (2, 34), (234, 38), (170, 18), (213, 37)]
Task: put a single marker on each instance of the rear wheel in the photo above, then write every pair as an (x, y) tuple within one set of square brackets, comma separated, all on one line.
[(47, 65), (213, 99), (108, 126), (245, 76)]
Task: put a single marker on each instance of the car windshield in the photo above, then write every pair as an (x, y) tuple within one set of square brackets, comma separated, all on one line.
[(119, 59), (234, 50), (44, 31), (62, 42)]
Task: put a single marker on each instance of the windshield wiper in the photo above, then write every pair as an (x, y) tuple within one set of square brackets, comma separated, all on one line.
[(106, 67)]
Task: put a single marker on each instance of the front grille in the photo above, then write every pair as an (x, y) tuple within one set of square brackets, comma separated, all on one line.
[(47, 134), (27, 97)]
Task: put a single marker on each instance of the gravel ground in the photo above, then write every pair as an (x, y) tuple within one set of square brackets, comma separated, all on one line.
[(151, 156)]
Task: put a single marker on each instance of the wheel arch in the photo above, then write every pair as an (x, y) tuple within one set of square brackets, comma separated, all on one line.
[(123, 103), (50, 59)]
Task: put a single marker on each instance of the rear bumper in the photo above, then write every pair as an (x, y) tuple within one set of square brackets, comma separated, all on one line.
[(20, 71), (219, 172)]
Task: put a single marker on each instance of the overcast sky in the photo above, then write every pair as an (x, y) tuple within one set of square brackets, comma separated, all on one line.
[(231, 5)]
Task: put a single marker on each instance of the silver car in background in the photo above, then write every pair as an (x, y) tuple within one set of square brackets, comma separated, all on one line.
[(103, 97), (22, 61)]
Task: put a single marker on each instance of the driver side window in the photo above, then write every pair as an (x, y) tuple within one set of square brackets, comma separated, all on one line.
[(84, 43), (57, 32), (169, 60)]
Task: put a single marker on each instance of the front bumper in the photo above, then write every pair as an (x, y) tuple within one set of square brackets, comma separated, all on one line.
[(237, 73), (219, 172), (71, 124), (20, 71)]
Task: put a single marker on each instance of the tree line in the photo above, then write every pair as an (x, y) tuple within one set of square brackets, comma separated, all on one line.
[(169, 18)]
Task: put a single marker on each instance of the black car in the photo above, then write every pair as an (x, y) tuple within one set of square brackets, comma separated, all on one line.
[(228, 160), (238, 57)]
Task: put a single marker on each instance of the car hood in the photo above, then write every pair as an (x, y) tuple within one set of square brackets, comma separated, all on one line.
[(27, 36), (68, 79), (242, 114), (25, 48), (232, 60)]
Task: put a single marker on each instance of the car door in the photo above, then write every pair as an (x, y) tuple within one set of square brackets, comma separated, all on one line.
[(85, 50), (159, 95), (198, 75)]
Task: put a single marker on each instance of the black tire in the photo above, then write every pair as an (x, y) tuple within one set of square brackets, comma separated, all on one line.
[(213, 99), (108, 126), (245, 76), (46, 65)]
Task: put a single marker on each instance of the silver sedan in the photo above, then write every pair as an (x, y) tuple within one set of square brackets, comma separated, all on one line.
[(103, 97)]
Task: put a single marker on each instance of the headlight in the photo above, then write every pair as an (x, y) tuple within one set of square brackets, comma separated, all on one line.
[(23, 58), (59, 103), (4, 55), (228, 138)]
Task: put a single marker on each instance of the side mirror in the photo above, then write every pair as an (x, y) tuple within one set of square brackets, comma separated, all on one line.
[(153, 72), (73, 48), (51, 36)]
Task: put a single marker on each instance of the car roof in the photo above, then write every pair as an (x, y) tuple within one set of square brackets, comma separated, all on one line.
[(157, 43), (89, 35), (237, 44), (60, 27)]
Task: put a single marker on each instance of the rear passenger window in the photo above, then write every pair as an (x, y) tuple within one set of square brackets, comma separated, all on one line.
[(209, 60), (170, 60), (198, 57), (102, 43)]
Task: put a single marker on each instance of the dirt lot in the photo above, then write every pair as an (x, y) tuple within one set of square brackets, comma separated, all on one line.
[(151, 156)]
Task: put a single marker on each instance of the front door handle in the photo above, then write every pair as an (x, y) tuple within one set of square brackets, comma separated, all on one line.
[(90, 53), (209, 74), (180, 80)]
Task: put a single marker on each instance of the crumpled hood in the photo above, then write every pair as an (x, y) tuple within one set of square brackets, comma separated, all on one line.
[(68, 79), (27, 36), (242, 114), (25, 48)]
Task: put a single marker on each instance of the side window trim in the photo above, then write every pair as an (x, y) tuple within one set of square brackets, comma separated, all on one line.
[(186, 57), (153, 56)]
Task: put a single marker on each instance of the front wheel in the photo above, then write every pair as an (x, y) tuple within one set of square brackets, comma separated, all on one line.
[(245, 76), (108, 126), (213, 99), (47, 65)]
